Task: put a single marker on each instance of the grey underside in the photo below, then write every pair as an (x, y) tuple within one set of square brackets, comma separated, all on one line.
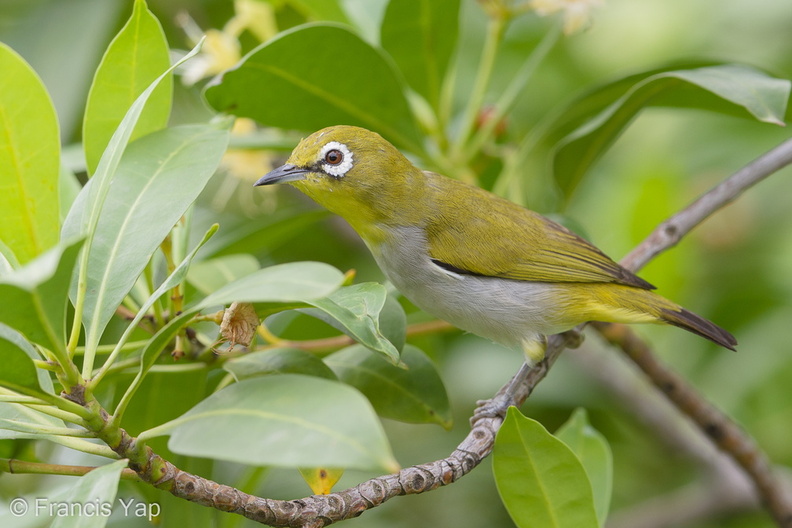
[(510, 312)]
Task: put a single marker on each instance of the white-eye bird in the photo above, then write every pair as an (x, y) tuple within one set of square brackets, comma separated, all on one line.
[(465, 255)]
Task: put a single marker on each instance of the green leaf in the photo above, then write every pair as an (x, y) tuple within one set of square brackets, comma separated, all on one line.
[(210, 275), (12, 414), (69, 188), (540, 481), (313, 76), (266, 232), (322, 9), (295, 282), (415, 394), (355, 310), (421, 36), (287, 420), (87, 216), (34, 296), (9, 334), (726, 88), (393, 322), (135, 57), (278, 361), (97, 488), (321, 480), (8, 261), (594, 453), (18, 372), (158, 178), (29, 160)]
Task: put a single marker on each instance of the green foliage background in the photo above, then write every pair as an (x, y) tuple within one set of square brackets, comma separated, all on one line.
[(734, 270)]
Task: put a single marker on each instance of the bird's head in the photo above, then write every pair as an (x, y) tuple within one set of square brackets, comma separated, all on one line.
[(354, 173)]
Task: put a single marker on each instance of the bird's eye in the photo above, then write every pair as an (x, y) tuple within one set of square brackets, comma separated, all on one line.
[(334, 157)]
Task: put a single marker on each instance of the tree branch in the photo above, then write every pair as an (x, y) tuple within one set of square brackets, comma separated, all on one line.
[(724, 488), (718, 427), (670, 232)]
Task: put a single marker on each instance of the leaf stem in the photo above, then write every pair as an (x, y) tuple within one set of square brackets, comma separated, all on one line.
[(495, 30), (38, 429), (126, 347), (513, 90), (12, 465)]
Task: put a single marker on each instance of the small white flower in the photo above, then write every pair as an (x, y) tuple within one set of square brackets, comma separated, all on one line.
[(576, 12)]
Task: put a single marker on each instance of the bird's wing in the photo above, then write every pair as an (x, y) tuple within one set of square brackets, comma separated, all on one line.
[(515, 243)]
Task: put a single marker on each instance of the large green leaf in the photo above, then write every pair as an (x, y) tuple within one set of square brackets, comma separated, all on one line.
[(421, 35), (355, 310), (135, 57), (314, 76), (295, 282), (594, 453), (18, 370), (415, 394), (99, 487), (29, 160), (87, 216), (158, 178), (210, 275), (24, 422), (12, 336), (540, 481), (393, 322), (726, 88), (34, 296), (278, 361), (8, 261), (322, 9), (263, 233), (287, 420), (20, 374)]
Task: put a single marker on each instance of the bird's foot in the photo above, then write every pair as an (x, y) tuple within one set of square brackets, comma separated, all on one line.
[(573, 338), (494, 407)]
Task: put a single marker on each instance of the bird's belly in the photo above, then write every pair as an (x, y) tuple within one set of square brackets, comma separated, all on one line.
[(506, 311)]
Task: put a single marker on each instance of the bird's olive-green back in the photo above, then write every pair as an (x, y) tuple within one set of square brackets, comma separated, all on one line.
[(513, 242)]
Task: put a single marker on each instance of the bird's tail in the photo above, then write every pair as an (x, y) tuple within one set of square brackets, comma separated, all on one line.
[(627, 304), (698, 325)]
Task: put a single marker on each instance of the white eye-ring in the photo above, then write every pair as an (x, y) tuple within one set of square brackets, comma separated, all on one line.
[(336, 159)]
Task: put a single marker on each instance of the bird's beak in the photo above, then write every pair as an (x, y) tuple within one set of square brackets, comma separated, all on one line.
[(283, 174)]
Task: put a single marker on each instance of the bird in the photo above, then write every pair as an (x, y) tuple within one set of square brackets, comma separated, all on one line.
[(470, 257)]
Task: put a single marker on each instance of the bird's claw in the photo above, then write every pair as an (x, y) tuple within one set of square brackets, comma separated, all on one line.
[(494, 407)]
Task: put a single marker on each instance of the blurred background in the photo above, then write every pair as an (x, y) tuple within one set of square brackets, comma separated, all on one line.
[(736, 269)]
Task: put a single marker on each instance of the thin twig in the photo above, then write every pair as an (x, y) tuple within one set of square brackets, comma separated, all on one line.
[(697, 502), (12, 465), (326, 344), (670, 232)]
